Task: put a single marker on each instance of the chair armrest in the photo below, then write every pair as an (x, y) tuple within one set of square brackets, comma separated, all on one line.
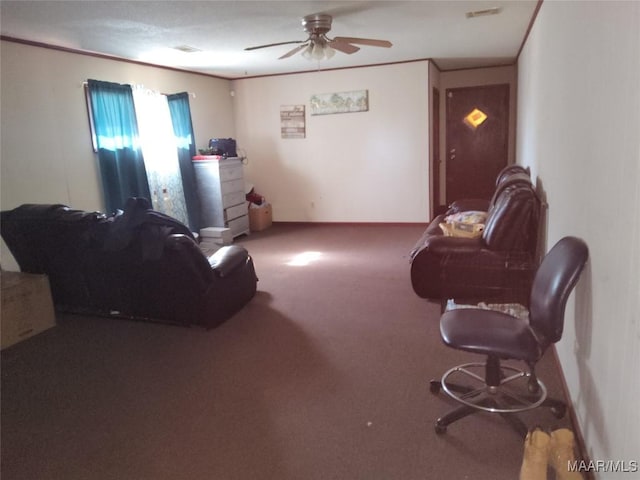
[(228, 259), (434, 240), (191, 257), (434, 226), (441, 245)]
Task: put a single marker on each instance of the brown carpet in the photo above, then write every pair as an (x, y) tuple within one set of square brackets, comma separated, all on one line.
[(324, 375)]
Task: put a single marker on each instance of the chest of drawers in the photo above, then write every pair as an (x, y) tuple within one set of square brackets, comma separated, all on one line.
[(220, 185)]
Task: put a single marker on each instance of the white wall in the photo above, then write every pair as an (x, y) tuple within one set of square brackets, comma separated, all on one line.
[(45, 153), (352, 167), (355, 167), (579, 131)]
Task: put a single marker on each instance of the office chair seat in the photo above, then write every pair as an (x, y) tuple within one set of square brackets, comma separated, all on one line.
[(489, 332)]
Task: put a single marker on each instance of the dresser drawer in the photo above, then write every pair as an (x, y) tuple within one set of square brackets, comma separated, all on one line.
[(233, 198), (235, 211), (239, 225), (232, 186), (230, 172)]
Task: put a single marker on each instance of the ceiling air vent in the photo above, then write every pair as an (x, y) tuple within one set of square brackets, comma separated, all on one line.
[(187, 49), (483, 13)]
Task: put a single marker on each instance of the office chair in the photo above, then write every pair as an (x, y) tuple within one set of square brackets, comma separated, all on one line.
[(505, 389)]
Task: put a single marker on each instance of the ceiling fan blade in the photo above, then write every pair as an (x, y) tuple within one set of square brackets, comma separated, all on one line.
[(343, 47), (294, 51), (364, 41), (275, 44)]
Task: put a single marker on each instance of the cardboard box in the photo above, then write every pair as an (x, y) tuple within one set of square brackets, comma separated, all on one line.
[(260, 217), (27, 307)]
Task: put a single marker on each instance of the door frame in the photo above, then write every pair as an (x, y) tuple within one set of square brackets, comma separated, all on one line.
[(435, 152)]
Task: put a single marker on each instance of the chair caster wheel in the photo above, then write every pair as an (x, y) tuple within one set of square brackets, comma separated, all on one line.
[(559, 411), (440, 429), (435, 386)]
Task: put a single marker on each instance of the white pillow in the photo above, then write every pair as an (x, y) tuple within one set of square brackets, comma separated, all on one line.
[(469, 217), (469, 224)]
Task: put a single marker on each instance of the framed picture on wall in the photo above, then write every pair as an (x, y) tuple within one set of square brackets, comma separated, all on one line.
[(292, 121), (344, 102)]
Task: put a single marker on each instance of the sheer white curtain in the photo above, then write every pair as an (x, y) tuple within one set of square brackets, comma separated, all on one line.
[(160, 153)]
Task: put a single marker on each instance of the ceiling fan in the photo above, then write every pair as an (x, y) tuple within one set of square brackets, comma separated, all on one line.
[(318, 46)]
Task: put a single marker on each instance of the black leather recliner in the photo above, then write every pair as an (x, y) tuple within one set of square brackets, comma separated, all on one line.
[(138, 264), (497, 266)]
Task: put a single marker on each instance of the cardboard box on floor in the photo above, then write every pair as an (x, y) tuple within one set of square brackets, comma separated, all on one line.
[(260, 217), (27, 307)]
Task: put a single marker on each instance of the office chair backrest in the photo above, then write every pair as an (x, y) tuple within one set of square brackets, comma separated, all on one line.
[(557, 275)]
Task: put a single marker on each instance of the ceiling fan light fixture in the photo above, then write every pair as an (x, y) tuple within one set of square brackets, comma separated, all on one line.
[(317, 53), (329, 52), (306, 53)]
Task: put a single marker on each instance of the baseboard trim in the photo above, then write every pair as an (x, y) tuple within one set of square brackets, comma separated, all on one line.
[(573, 417)]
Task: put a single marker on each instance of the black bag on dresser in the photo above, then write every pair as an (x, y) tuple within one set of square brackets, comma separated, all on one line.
[(223, 146)]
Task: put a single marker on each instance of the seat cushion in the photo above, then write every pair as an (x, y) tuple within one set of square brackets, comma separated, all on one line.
[(489, 332)]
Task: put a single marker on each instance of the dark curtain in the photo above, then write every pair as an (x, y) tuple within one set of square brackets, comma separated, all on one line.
[(183, 130), (119, 155)]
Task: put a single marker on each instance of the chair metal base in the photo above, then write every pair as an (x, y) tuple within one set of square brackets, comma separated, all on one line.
[(510, 391)]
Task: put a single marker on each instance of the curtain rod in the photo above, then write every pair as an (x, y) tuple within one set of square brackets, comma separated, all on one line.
[(191, 94)]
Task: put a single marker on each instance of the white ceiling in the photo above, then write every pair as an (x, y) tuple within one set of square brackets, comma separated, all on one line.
[(146, 31)]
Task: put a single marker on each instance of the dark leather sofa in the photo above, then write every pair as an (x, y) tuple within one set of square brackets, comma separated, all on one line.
[(497, 266), (137, 264)]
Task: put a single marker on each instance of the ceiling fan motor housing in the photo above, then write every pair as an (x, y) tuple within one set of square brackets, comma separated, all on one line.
[(318, 23)]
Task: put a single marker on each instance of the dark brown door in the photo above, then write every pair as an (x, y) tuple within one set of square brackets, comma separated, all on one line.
[(477, 140)]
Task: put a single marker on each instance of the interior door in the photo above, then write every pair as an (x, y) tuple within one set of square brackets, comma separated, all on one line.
[(477, 140)]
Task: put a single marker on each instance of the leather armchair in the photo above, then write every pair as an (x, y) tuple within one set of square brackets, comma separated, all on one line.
[(497, 266), (137, 264)]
